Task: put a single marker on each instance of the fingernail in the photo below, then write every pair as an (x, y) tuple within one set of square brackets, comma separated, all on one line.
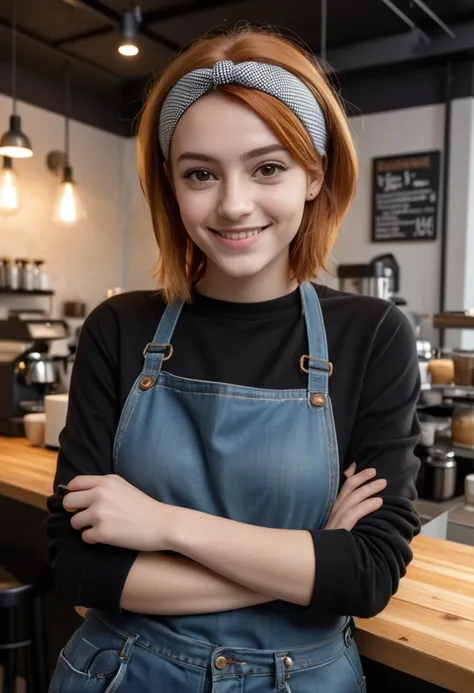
[(371, 472)]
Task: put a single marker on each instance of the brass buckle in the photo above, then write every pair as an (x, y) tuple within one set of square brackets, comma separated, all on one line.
[(167, 348), (311, 360)]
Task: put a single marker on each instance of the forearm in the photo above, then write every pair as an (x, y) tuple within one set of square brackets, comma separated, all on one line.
[(276, 562), (172, 585)]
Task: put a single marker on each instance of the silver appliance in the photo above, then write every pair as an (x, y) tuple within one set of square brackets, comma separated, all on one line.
[(380, 278), (28, 371)]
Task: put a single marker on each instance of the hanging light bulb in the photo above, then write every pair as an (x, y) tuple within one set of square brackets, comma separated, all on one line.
[(129, 22), (14, 143), (9, 192), (68, 208)]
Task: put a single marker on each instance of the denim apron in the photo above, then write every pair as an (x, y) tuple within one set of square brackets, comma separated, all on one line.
[(263, 457)]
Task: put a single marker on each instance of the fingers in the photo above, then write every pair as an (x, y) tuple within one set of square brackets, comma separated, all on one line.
[(81, 520), (83, 482), (352, 483), (347, 507), (78, 499), (349, 519), (350, 471)]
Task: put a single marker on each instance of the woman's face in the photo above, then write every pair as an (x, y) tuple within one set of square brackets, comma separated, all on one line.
[(240, 193)]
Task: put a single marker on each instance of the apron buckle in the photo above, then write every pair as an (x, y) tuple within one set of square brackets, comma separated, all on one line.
[(325, 366), (157, 348)]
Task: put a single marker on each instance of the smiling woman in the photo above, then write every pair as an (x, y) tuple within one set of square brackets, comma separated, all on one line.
[(296, 111), (238, 451)]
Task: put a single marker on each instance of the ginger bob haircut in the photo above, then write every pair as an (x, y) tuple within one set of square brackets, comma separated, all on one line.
[(181, 263)]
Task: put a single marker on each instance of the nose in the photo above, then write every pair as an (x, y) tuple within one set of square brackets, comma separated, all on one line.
[(235, 200)]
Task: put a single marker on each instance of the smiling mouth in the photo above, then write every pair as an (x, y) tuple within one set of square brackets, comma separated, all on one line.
[(240, 235)]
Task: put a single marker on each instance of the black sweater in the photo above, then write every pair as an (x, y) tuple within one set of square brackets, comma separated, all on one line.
[(374, 390)]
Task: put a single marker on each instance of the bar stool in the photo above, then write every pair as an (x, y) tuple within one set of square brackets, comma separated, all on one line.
[(23, 582)]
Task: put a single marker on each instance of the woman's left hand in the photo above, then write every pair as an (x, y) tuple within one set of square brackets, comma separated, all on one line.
[(109, 510)]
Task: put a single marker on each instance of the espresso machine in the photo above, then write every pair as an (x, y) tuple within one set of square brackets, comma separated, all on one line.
[(28, 371), (380, 278)]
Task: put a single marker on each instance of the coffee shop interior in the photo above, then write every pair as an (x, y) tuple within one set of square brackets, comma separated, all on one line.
[(75, 230)]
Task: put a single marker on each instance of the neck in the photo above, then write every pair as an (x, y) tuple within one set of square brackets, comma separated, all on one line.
[(272, 282)]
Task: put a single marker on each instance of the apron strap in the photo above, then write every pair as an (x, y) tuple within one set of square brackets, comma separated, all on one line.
[(315, 363), (160, 349)]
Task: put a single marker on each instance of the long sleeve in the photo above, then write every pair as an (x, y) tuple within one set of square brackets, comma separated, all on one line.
[(89, 575), (358, 572)]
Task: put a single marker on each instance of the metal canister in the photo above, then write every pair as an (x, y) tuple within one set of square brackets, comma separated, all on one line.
[(28, 278), (14, 275)]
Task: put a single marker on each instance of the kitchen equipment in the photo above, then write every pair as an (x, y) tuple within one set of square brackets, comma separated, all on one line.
[(55, 409), (438, 473), (27, 370), (380, 277)]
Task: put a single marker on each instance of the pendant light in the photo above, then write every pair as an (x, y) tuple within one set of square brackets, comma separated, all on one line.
[(9, 193), (14, 143), (68, 207), (130, 21)]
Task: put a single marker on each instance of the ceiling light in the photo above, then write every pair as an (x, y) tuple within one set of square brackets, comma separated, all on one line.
[(14, 143), (68, 207), (130, 21), (9, 193)]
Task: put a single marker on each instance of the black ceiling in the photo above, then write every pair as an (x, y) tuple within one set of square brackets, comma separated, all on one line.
[(360, 34)]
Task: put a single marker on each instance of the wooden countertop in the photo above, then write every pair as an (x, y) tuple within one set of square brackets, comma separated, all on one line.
[(426, 631), (26, 473)]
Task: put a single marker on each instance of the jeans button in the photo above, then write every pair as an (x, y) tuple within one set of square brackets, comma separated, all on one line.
[(220, 662), (347, 637)]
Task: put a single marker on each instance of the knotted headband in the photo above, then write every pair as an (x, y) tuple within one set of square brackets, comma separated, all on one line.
[(271, 79)]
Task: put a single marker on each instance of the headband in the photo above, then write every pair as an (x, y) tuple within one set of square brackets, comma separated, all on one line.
[(271, 79)]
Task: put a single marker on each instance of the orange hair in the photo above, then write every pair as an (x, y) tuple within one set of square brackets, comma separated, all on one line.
[(181, 263)]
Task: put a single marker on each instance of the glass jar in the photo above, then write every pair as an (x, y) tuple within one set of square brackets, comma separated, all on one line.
[(441, 371), (463, 367), (462, 425)]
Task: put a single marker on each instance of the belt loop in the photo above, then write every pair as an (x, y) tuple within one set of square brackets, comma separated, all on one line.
[(281, 674), (127, 648)]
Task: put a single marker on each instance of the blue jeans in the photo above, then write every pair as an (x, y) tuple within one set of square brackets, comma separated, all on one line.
[(105, 655)]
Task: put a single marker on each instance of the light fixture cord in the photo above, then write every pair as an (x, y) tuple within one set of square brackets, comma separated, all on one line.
[(14, 57), (67, 108), (324, 25)]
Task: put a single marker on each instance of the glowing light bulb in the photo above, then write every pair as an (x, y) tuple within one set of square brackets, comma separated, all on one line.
[(9, 190), (68, 209), (128, 49)]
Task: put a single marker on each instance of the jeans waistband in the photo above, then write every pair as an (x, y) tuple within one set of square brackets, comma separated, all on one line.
[(159, 639)]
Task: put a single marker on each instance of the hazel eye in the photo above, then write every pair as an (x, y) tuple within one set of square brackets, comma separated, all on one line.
[(199, 175), (271, 170)]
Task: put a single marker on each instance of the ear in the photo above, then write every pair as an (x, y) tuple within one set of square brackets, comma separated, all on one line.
[(315, 180)]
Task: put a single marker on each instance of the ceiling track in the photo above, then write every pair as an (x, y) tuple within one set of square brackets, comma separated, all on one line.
[(427, 10), (39, 41), (405, 18)]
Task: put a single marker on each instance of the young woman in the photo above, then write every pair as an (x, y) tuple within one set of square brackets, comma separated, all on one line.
[(212, 424)]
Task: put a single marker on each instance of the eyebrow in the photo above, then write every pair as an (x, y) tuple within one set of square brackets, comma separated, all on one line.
[(261, 151)]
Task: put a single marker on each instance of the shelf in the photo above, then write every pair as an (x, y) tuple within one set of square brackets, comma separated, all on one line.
[(454, 321), (23, 292), (467, 453), (450, 390)]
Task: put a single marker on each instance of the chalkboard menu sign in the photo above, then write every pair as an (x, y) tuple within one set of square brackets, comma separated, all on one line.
[(405, 195)]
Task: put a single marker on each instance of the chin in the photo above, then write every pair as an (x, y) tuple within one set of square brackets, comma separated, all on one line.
[(241, 270)]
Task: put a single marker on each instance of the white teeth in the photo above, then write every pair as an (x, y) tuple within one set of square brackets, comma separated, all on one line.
[(240, 235)]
